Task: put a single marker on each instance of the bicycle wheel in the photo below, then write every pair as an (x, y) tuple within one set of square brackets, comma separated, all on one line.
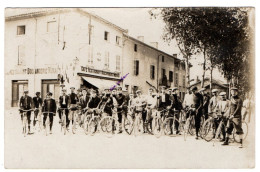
[(157, 126), (186, 128), (24, 125), (149, 126), (93, 125), (191, 128), (112, 126), (128, 124), (168, 126), (245, 131), (86, 123), (209, 128), (75, 119)]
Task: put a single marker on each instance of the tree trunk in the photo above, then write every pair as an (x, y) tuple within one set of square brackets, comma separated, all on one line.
[(187, 68), (204, 68), (211, 71)]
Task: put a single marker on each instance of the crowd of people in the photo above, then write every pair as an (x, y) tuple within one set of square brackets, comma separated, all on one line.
[(88, 100)]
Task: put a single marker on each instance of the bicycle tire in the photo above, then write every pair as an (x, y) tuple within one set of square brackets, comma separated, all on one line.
[(209, 128), (85, 124), (157, 129), (128, 125), (137, 125), (93, 125), (191, 128)]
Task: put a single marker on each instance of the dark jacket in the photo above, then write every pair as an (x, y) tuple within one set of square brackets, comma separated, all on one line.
[(26, 103), (84, 101), (52, 107), (93, 102), (176, 102), (198, 101), (166, 103), (67, 101), (37, 101), (235, 106), (73, 98)]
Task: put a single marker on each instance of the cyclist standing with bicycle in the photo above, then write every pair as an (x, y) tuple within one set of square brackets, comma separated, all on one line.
[(26, 103), (64, 103), (176, 105), (235, 117), (73, 99), (222, 108), (198, 104), (120, 98), (37, 101), (49, 107), (205, 103)]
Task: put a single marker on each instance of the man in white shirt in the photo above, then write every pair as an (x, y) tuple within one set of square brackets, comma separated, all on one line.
[(213, 101)]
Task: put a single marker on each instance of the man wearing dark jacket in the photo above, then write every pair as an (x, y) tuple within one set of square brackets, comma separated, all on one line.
[(49, 108), (26, 103), (64, 101), (37, 101), (164, 99), (120, 98), (176, 105)]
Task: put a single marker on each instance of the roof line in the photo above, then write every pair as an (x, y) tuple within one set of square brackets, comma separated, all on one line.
[(50, 11), (140, 42)]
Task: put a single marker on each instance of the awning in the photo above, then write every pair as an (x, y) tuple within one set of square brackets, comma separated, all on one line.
[(100, 83)]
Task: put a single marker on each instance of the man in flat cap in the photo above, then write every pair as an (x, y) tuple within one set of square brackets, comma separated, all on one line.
[(49, 108), (64, 104), (164, 99), (197, 104), (213, 101), (176, 106), (37, 101), (73, 99), (205, 102), (222, 109), (120, 98), (235, 116), (139, 104), (26, 103)]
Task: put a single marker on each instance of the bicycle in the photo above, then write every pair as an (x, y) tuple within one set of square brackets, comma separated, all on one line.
[(94, 121), (24, 120), (138, 128), (157, 123), (48, 122), (210, 127), (38, 120), (109, 124), (234, 133), (169, 124), (189, 126), (129, 122), (63, 124)]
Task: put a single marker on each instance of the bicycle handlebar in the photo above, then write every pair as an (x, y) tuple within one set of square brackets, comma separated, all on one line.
[(47, 112)]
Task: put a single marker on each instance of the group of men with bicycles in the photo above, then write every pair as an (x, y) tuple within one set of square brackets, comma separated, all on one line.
[(75, 107)]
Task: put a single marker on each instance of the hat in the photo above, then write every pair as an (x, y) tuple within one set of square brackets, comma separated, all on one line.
[(64, 89), (94, 91), (25, 91), (163, 87), (169, 89), (119, 88), (174, 88), (38, 93), (79, 89), (72, 87), (193, 88), (214, 90), (84, 89), (222, 93), (154, 94), (49, 93), (138, 91), (203, 89), (234, 88), (131, 94)]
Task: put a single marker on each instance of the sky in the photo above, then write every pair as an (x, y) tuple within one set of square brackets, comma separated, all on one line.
[(138, 22)]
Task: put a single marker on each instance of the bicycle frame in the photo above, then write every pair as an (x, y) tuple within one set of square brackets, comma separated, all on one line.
[(25, 120)]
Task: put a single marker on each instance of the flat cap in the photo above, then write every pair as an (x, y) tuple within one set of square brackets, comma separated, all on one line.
[(138, 91), (174, 88), (214, 90), (222, 93), (193, 88), (234, 88)]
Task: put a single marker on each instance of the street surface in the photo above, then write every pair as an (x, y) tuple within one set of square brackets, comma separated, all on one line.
[(121, 151)]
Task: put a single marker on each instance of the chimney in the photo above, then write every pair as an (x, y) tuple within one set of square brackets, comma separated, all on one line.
[(140, 38), (154, 44)]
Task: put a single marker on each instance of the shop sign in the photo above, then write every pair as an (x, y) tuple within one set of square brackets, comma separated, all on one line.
[(29, 71), (100, 72)]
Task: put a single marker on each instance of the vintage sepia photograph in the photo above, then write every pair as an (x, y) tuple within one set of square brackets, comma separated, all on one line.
[(129, 88)]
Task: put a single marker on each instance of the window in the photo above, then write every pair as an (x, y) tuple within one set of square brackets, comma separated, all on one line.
[(51, 86), (106, 64), (118, 40), (21, 55), (176, 65), (21, 30), (18, 88), (152, 68), (170, 76), (135, 47), (163, 73), (176, 80), (106, 36), (162, 58), (136, 67), (183, 81), (118, 63), (51, 26)]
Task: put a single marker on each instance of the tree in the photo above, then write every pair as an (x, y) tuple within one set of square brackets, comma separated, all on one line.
[(221, 34)]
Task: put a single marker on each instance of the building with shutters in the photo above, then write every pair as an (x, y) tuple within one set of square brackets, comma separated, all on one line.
[(83, 49)]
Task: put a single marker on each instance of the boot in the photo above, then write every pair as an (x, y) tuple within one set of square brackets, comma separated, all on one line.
[(241, 143), (226, 142)]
